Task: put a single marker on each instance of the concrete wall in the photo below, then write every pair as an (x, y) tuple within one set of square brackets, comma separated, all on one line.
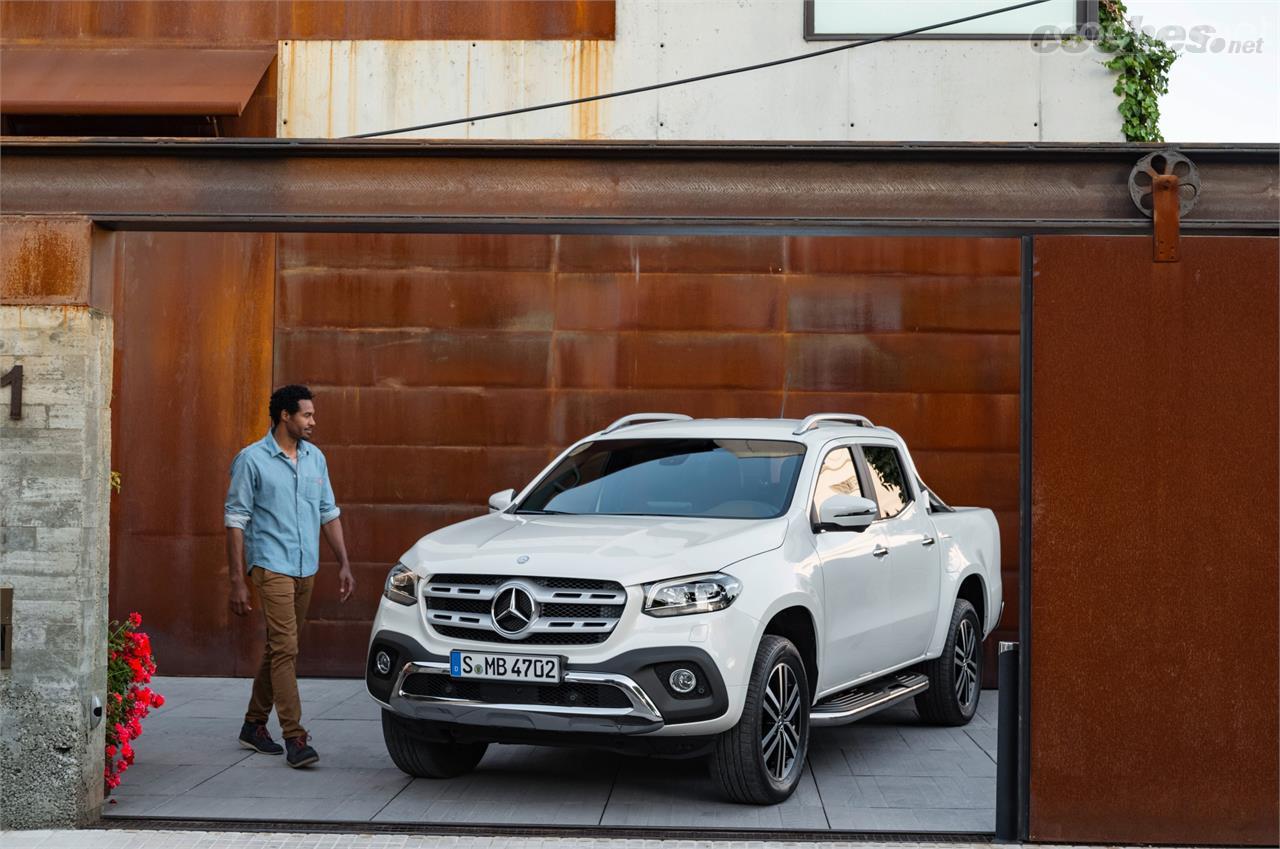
[(917, 90), (54, 486)]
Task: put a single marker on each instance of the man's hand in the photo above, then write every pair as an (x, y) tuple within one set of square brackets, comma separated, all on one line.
[(346, 583), (333, 535), (240, 597)]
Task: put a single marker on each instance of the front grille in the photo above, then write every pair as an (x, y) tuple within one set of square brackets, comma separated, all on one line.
[(507, 693), (531, 640), (572, 611)]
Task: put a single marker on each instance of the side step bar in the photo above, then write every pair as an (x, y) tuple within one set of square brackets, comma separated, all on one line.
[(867, 699)]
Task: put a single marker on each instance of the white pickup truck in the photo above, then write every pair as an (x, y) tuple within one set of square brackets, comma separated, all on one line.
[(688, 588)]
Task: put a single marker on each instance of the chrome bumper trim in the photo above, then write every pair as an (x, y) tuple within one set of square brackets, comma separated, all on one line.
[(641, 717)]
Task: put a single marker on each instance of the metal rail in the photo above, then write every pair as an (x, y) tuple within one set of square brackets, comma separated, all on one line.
[(418, 186)]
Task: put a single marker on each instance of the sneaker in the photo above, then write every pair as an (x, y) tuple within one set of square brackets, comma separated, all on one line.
[(299, 753), (255, 736)]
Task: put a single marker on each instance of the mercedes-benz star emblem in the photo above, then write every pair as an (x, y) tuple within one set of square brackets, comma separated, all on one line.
[(513, 609)]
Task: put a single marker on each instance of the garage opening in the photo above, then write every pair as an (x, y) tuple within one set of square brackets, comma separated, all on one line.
[(448, 367)]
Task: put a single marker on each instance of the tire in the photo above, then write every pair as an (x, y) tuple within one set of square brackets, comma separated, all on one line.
[(955, 677), (738, 761), (423, 758)]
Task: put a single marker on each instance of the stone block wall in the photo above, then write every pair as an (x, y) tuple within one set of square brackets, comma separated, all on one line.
[(54, 520)]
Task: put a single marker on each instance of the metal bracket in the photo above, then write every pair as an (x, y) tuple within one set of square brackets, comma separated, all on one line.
[(1164, 189), (6, 627), (1165, 186)]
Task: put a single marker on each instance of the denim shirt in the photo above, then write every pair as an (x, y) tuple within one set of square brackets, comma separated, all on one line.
[(280, 506)]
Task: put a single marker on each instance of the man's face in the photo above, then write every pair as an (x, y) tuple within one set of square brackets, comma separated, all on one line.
[(302, 423)]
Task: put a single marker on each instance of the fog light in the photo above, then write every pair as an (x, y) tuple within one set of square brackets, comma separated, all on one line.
[(683, 680), (383, 661)]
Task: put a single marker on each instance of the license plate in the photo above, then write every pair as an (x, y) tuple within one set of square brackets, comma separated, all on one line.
[(538, 669)]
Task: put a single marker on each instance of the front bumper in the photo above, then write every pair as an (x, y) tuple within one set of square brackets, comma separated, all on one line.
[(628, 694), (639, 717)]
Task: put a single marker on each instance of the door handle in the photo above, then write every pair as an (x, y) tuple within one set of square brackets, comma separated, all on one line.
[(879, 551), (927, 541)]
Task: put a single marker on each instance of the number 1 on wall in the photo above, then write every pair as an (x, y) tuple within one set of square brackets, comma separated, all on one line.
[(13, 377)]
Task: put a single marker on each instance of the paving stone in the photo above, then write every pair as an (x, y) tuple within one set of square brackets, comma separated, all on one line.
[(681, 794), (149, 778), (355, 808)]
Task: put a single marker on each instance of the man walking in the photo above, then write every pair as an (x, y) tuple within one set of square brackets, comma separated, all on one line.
[(279, 503)]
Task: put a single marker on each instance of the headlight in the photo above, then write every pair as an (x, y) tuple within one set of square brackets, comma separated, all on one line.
[(402, 585), (699, 594)]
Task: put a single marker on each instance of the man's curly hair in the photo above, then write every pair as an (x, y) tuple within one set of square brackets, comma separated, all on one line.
[(285, 400)]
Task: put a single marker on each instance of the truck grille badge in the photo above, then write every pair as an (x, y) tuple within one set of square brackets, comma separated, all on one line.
[(513, 609)]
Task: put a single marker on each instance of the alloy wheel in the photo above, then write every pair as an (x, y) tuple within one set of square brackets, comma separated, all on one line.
[(966, 660), (780, 732)]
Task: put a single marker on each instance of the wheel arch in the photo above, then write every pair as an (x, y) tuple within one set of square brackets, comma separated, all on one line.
[(973, 589), (797, 624)]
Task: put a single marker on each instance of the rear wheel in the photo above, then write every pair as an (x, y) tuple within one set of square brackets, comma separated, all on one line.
[(424, 758), (955, 678), (760, 759)]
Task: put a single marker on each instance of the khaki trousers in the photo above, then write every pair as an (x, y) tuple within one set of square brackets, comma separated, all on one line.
[(284, 603)]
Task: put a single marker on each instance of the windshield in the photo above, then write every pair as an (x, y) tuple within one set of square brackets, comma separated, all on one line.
[(720, 478)]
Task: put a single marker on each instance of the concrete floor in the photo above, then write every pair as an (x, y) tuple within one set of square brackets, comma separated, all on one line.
[(888, 772)]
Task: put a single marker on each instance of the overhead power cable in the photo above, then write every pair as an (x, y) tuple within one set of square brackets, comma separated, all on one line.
[(699, 78)]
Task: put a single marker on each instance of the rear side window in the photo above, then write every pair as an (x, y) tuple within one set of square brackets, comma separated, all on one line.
[(887, 479), (838, 476)]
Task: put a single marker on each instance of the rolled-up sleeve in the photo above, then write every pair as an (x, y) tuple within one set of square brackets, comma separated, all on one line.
[(328, 505), (239, 507)]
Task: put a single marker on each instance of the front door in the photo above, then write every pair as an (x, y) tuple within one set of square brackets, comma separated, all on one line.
[(914, 565), (856, 578)]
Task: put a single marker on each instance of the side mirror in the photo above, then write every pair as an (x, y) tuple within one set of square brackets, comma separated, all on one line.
[(847, 513), (500, 501)]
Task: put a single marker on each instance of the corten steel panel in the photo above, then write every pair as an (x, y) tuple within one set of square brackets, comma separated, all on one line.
[(193, 324), (44, 260), (1154, 538), (139, 81), (258, 119), (285, 185), (249, 22), (448, 367)]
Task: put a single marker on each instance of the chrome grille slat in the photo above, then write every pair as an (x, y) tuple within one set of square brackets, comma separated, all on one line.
[(580, 609), (435, 590)]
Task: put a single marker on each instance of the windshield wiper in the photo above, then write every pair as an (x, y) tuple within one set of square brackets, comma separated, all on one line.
[(546, 513)]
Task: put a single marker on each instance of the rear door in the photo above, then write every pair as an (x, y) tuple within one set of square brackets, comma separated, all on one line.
[(857, 596), (915, 570)]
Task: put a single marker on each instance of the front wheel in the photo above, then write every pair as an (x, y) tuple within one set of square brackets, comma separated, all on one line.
[(760, 759), (955, 678), (424, 758)]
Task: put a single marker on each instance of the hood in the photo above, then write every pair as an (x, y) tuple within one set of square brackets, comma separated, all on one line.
[(628, 549)]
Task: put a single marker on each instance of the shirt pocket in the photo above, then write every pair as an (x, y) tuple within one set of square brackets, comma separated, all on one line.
[(312, 487)]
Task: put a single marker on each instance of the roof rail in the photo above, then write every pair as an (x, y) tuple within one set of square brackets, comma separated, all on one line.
[(637, 418), (818, 418)]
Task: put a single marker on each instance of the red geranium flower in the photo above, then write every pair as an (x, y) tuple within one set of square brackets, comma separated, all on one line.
[(130, 666)]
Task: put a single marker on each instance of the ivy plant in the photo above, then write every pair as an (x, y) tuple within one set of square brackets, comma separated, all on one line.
[(1142, 64)]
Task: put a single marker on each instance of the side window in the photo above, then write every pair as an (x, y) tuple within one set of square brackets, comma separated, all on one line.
[(887, 479), (838, 476)]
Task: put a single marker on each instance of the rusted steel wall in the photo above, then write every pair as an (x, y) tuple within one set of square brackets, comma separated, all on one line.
[(1154, 539), (192, 376), (448, 367), (45, 260), (243, 22)]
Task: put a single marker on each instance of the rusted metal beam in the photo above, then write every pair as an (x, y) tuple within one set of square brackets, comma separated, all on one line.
[(289, 185)]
